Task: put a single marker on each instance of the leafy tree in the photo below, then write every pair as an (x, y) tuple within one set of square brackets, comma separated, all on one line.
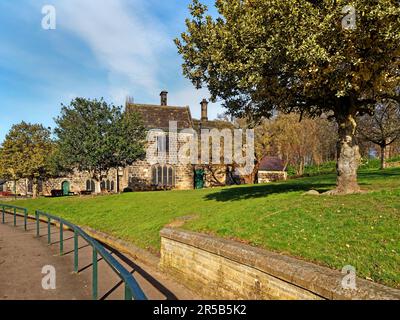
[(129, 136), (262, 141), (302, 143), (298, 56), (25, 152), (95, 136), (382, 128)]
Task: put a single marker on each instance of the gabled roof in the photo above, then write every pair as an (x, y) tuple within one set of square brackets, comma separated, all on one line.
[(272, 164), (158, 117), (212, 124)]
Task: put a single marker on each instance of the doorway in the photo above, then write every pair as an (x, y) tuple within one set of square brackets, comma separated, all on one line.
[(65, 188)]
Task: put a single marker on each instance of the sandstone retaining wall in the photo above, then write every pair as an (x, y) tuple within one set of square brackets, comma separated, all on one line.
[(224, 269)]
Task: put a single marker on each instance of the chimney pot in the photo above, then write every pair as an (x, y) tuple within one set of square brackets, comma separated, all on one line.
[(204, 110), (164, 98)]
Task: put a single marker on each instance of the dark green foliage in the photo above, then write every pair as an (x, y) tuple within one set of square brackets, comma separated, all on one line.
[(95, 136)]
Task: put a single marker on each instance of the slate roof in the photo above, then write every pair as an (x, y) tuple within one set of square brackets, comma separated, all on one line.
[(212, 124), (158, 117), (271, 164)]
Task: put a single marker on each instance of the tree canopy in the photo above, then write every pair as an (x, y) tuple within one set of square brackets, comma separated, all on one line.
[(95, 136), (297, 56), (25, 153)]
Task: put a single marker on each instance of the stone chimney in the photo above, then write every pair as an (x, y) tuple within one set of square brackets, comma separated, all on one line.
[(164, 98), (204, 110)]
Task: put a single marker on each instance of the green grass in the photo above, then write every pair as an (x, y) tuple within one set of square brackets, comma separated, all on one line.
[(359, 230), (330, 167)]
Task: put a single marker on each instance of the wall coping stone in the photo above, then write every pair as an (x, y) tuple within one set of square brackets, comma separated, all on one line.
[(320, 280)]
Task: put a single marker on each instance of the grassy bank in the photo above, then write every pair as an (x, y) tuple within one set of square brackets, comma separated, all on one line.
[(359, 230)]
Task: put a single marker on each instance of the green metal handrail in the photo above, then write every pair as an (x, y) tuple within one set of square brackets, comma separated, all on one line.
[(15, 210), (132, 288)]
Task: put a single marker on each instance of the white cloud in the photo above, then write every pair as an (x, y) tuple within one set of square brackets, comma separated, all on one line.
[(119, 95), (134, 47), (125, 42)]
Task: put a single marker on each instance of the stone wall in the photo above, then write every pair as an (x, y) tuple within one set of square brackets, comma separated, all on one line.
[(137, 177), (184, 177), (77, 181), (271, 176), (224, 269), (215, 176), (19, 187)]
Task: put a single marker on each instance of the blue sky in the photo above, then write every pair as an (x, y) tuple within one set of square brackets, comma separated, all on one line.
[(100, 48)]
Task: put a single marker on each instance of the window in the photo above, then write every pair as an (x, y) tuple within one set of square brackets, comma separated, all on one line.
[(163, 176), (171, 179), (40, 186), (162, 143), (30, 186), (90, 186), (154, 175), (159, 176), (107, 185)]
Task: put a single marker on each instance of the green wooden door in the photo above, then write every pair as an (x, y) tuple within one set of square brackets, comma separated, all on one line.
[(65, 188), (199, 179)]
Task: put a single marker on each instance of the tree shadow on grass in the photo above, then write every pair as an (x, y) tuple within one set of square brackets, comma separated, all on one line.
[(379, 174), (320, 183), (260, 191)]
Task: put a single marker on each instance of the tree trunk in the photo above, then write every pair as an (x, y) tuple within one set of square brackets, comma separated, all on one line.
[(15, 189), (383, 157), (300, 169), (34, 188), (348, 157), (252, 177)]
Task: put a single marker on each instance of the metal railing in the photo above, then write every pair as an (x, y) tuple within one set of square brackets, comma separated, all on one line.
[(132, 288), (15, 211)]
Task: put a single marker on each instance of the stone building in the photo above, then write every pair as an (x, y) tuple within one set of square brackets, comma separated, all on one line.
[(213, 175), (145, 175), (141, 175), (271, 169), (3, 185)]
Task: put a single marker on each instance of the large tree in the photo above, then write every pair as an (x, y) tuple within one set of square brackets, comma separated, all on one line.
[(382, 128), (309, 57), (95, 136), (25, 153)]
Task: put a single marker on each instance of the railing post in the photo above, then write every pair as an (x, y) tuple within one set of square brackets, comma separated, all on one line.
[(94, 278), (37, 224), (128, 293), (25, 219), (48, 230), (61, 238), (76, 253)]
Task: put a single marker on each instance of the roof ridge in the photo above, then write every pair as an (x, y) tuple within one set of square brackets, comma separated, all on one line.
[(155, 105)]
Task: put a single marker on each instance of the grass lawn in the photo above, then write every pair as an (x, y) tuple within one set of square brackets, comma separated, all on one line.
[(359, 230)]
